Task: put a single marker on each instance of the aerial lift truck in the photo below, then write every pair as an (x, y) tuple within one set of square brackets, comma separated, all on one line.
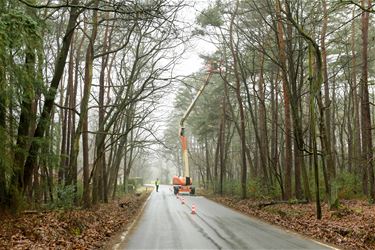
[(183, 184)]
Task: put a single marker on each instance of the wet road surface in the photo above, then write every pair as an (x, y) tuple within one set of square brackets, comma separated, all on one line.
[(166, 223)]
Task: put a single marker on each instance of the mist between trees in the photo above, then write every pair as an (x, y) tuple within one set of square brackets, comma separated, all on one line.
[(287, 115)]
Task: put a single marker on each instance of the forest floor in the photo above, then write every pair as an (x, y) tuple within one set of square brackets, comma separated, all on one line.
[(352, 226), (73, 229)]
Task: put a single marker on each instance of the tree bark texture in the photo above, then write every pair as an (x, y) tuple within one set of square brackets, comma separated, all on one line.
[(367, 150), (44, 119)]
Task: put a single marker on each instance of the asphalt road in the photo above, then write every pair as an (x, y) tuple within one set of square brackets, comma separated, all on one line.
[(166, 223)]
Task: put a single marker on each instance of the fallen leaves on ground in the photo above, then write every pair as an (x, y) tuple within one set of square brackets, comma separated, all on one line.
[(352, 226), (75, 229)]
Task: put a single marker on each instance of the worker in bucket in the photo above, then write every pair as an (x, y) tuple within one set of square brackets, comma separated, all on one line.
[(157, 184)]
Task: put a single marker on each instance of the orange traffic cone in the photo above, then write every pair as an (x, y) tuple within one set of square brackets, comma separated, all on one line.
[(183, 200), (193, 209)]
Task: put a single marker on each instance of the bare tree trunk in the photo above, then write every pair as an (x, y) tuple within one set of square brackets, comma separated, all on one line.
[(329, 157), (316, 81), (313, 90), (72, 92), (357, 147), (64, 114), (216, 162), (83, 121), (299, 161), (287, 124), (367, 154), (240, 103), (208, 168), (128, 143), (274, 124), (221, 143), (100, 148), (294, 93), (82, 126), (72, 122), (262, 125), (31, 160), (333, 137), (26, 115), (3, 137), (63, 153), (117, 153), (44, 164), (130, 161), (275, 131)]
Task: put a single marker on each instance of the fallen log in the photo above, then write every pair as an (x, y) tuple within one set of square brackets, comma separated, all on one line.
[(31, 212), (270, 203)]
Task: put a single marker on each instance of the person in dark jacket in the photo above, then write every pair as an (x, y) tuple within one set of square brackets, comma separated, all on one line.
[(157, 184)]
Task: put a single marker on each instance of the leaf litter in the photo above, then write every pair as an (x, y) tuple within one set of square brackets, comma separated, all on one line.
[(351, 226), (73, 229)]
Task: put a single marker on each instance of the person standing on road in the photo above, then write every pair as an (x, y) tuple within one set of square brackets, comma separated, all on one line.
[(157, 184)]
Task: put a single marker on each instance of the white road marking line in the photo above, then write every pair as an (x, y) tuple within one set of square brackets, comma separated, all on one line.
[(124, 234)]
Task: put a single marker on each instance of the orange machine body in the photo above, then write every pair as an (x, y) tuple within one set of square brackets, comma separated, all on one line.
[(183, 185)]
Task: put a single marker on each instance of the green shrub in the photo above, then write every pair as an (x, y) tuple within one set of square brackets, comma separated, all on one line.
[(255, 189), (135, 181), (65, 197), (232, 187), (120, 190), (348, 185)]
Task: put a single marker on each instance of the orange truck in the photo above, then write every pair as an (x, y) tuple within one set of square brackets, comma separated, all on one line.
[(183, 184)]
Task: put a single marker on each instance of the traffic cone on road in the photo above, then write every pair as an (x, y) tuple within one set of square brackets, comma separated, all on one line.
[(193, 209), (183, 200)]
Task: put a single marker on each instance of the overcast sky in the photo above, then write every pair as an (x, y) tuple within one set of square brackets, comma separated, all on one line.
[(190, 63)]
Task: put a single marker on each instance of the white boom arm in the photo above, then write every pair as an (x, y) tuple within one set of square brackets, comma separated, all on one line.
[(182, 128)]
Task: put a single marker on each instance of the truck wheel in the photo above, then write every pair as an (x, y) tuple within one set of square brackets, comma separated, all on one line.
[(175, 190), (192, 190)]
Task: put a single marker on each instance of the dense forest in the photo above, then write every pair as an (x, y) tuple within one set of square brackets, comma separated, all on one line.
[(79, 82), (287, 113)]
